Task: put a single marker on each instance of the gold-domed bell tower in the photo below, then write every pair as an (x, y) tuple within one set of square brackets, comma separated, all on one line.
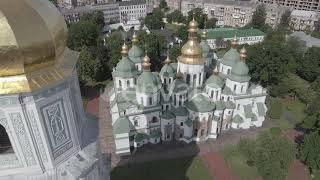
[(191, 62)]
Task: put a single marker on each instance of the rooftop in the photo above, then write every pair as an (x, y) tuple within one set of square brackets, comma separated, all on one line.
[(230, 32), (131, 3), (303, 13)]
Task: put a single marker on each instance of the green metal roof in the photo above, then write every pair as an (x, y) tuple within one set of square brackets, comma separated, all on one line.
[(231, 57), (227, 91), (220, 105), (136, 54), (248, 111), (215, 80), (178, 86), (148, 82), (240, 72), (140, 137), (180, 111), (125, 68), (261, 109), (200, 103), (167, 115), (230, 32), (167, 70), (188, 122), (237, 119), (121, 126)]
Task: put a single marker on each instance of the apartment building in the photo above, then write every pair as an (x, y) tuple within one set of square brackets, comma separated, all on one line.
[(274, 14), (132, 10), (303, 20), (307, 5), (174, 4), (110, 12)]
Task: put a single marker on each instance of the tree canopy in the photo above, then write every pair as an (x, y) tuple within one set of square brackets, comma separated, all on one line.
[(310, 151), (175, 16), (199, 16), (259, 17), (154, 20)]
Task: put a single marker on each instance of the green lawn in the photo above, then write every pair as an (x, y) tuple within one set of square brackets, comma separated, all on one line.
[(191, 168), (172, 27), (296, 108), (238, 164)]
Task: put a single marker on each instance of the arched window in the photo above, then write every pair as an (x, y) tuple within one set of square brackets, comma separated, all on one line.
[(238, 107), (228, 71), (212, 94), (128, 83), (217, 93), (241, 88), (167, 107), (120, 83), (150, 100), (165, 80), (202, 132), (154, 120), (194, 79), (169, 80), (136, 123), (234, 87), (188, 79), (135, 81), (5, 144)]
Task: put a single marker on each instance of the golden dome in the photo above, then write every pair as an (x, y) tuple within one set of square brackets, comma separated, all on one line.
[(204, 34), (191, 52), (167, 61), (32, 39), (243, 53), (135, 39), (146, 62), (124, 50)]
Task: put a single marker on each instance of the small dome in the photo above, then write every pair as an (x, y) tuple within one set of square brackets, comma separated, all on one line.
[(148, 82), (136, 54), (240, 69), (126, 68), (231, 57), (167, 70), (215, 79)]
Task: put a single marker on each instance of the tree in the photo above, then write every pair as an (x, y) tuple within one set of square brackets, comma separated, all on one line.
[(82, 33), (96, 17), (176, 16), (87, 65), (163, 5), (155, 44), (247, 147), (220, 43), (285, 19), (259, 17), (199, 16), (273, 156), (182, 33), (309, 66), (114, 44), (275, 109), (174, 52), (310, 150), (154, 20), (211, 23)]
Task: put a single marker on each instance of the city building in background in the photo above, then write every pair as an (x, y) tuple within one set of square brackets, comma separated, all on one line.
[(218, 37), (307, 5), (303, 20), (132, 10)]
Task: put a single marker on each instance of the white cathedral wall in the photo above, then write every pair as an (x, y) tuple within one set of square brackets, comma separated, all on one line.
[(224, 69), (237, 87), (144, 121), (192, 70), (213, 93), (164, 123), (125, 83), (144, 99), (122, 143)]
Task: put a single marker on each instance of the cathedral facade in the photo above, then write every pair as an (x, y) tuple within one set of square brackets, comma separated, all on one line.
[(193, 100), (42, 120)]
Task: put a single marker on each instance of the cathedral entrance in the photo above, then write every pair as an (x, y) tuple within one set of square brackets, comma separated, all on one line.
[(5, 144)]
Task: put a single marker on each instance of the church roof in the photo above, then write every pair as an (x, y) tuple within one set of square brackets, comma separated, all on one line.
[(200, 103), (155, 133), (140, 137), (188, 122), (178, 86), (230, 105), (121, 125), (125, 68), (231, 57), (136, 54), (167, 115), (220, 105), (180, 111), (215, 81), (248, 111), (261, 109), (237, 119), (167, 70), (148, 82)]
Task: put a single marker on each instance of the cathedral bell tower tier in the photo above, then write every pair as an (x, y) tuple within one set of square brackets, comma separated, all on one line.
[(191, 62), (41, 112)]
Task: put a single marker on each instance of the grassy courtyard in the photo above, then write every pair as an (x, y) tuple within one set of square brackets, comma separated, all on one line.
[(237, 162), (189, 168), (293, 112)]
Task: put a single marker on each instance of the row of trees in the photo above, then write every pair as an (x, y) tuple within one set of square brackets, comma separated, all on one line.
[(271, 153)]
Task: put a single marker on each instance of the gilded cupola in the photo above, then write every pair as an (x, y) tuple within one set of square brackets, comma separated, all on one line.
[(33, 51), (191, 52)]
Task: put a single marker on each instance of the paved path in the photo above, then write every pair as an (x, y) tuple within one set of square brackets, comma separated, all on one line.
[(217, 166), (298, 171)]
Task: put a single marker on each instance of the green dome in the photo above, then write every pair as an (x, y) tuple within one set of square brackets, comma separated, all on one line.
[(178, 86), (200, 103), (240, 72), (167, 70), (205, 48), (125, 68), (136, 54), (231, 57), (237, 119), (215, 79), (148, 82)]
